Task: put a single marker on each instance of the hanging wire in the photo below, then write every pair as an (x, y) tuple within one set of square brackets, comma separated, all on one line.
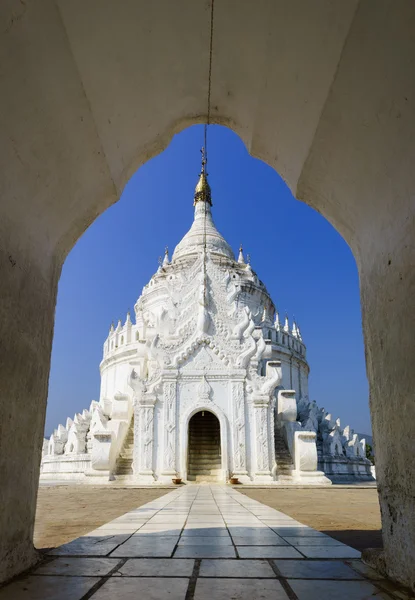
[(207, 123), (212, 10)]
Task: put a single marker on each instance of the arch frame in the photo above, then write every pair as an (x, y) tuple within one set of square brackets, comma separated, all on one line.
[(184, 436)]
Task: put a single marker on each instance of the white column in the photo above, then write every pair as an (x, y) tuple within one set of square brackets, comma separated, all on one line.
[(263, 467), (169, 429), (144, 438), (238, 430)]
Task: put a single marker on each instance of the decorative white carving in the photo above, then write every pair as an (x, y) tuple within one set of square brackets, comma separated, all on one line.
[(204, 390), (262, 437), (260, 348), (243, 359), (143, 458), (169, 398), (239, 442), (137, 384), (273, 377), (242, 325)]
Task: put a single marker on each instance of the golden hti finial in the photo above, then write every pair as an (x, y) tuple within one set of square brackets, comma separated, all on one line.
[(202, 189)]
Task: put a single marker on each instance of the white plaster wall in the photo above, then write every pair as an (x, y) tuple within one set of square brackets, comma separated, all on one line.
[(114, 378)]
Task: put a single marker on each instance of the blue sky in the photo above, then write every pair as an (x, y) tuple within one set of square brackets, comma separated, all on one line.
[(307, 267)]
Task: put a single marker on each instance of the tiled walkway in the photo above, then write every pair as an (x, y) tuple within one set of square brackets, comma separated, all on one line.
[(201, 542)]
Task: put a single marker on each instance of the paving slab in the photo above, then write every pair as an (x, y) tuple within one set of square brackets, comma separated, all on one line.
[(313, 541), (329, 551), (340, 590), (205, 552), (48, 588), (157, 567), (206, 540), (316, 569), (239, 589), (148, 588), (244, 551), (268, 552), (235, 568), (78, 566), (239, 540)]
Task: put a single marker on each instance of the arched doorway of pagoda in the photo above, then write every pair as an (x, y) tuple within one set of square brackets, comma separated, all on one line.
[(204, 455)]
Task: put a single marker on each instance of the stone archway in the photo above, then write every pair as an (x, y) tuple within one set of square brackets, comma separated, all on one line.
[(291, 79), (204, 452)]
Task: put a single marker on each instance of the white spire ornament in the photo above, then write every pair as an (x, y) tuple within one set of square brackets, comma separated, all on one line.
[(286, 324), (294, 329), (166, 260), (277, 321), (241, 259)]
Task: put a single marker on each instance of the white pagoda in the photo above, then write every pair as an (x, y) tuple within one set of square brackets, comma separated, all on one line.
[(207, 384)]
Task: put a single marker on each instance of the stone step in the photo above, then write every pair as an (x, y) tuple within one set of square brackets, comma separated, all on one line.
[(205, 457), (208, 452), (127, 453), (204, 438), (208, 465), (202, 478), (213, 471), (203, 444)]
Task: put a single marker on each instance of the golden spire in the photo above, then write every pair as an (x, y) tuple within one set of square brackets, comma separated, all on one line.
[(202, 189)]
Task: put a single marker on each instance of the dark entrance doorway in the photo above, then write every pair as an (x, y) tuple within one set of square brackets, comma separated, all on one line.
[(204, 450)]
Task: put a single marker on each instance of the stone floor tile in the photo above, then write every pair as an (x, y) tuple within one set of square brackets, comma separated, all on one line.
[(235, 568), (316, 569), (207, 551), (313, 541), (264, 540), (268, 552), (137, 588), (329, 551), (113, 530), (158, 518), (365, 570), (157, 567), (250, 531), (77, 566), (234, 519), (161, 527), (206, 519), (340, 590), (105, 537), (239, 589), (127, 518), (154, 535), (41, 587), (205, 530), (83, 548), (209, 540), (297, 532), (279, 522), (151, 549)]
